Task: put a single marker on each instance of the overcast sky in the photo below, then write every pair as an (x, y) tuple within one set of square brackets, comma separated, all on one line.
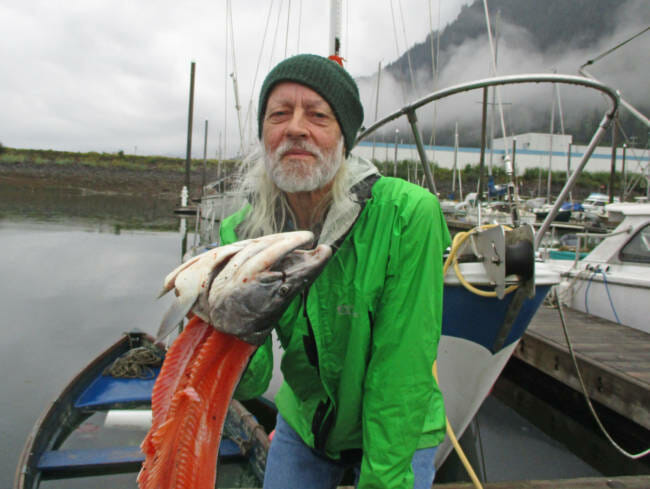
[(110, 75)]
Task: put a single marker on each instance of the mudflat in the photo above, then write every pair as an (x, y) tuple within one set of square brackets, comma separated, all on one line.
[(156, 183)]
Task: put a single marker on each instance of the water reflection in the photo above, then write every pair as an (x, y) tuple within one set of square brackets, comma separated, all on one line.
[(68, 290), (116, 211)]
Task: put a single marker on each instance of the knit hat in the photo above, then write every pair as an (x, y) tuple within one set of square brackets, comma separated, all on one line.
[(327, 78)]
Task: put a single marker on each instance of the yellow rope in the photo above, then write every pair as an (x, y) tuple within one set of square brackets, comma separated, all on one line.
[(452, 259), (457, 447)]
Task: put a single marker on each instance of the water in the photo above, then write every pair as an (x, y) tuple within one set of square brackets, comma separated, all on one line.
[(70, 285), (67, 293)]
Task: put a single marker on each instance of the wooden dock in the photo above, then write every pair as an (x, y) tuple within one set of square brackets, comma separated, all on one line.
[(627, 482), (614, 360)]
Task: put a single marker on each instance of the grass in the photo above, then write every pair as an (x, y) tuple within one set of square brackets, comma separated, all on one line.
[(103, 160)]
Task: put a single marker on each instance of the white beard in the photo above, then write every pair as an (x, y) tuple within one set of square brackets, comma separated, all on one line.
[(296, 175)]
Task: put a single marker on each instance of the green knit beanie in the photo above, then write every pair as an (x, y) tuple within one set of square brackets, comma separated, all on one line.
[(327, 78)]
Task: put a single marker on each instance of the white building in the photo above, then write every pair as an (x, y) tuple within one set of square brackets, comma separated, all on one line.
[(532, 151)]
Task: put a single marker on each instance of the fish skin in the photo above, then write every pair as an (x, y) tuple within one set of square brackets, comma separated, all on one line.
[(188, 280), (226, 271), (201, 370), (246, 298)]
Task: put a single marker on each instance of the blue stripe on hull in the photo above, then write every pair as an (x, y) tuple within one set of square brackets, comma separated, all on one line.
[(478, 319)]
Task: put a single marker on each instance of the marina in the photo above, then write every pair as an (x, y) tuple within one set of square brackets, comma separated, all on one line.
[(540, 394)]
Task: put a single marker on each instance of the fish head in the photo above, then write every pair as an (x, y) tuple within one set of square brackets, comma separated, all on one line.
[(248, 297), (242, 287)]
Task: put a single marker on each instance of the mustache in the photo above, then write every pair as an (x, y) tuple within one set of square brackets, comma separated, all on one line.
[(287, 146)]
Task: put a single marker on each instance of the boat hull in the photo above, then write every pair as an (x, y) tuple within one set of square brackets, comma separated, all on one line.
[(468, 362), (615, 296)]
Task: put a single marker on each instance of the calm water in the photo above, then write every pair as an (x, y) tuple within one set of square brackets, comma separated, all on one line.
[(70, 285)]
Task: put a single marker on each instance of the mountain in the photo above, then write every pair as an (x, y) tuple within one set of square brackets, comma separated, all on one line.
[(533, 36), (551, 25)]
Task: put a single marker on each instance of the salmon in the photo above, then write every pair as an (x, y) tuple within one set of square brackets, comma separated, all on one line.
[(189, 404), (236, 293)]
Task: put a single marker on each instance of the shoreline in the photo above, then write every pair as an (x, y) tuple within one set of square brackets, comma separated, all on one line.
[(155, 183)]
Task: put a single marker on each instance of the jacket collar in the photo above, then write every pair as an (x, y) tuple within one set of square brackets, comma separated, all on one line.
[(361, 174)]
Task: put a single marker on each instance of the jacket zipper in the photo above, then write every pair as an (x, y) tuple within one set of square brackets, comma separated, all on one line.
[(324, 415)]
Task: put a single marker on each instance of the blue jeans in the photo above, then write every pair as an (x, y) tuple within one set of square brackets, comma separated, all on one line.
[(291, 463)]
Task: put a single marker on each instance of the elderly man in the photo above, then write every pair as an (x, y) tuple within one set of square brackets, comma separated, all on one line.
[(359, 344)]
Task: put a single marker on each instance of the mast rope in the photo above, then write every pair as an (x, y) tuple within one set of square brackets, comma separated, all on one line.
[(299, 26), (392, 13), (493, 63), (249, 110), (408, 51), (435, 55), (234, 73), (275, 37), (225, 90), (619, 45), (286, 34)]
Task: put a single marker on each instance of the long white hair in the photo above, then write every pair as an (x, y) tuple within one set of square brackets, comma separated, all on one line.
[(270, 210)]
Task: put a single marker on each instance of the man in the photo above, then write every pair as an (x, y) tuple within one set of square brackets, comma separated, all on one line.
[(360, 343)]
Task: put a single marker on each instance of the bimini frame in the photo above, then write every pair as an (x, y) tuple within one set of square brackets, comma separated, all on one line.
[(409, 112)]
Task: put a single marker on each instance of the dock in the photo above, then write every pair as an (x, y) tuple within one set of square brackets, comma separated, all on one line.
[(614, 360), (626, 482)]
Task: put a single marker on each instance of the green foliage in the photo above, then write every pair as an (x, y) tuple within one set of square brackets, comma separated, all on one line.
[(119, 160)]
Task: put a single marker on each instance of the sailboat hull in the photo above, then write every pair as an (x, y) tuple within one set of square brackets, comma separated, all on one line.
[(474, 348)]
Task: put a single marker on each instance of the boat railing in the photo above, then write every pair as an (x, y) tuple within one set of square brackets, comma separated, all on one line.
[(410, 112)]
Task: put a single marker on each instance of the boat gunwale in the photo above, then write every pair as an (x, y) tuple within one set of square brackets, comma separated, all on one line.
[(51, 420)]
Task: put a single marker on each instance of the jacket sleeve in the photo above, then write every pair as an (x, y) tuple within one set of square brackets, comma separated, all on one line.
[(399, 384), (257, 376)]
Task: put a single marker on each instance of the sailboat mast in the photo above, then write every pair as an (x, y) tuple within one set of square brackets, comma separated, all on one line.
[(453, 173), (336, 13)]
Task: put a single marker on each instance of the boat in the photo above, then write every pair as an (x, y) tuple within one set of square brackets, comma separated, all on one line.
[(563, 215), (593, 207), (493, 212), (91, 433), (481, 329), (613, 280)]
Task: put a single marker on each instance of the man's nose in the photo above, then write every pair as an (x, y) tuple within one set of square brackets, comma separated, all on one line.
[(297, 125)]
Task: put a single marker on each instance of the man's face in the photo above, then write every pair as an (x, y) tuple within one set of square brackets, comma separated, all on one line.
[(302, 138)]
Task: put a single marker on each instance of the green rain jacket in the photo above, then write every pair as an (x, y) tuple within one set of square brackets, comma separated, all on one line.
[(360, 343)]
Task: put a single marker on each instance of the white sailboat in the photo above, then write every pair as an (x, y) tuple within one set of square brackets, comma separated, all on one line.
[(613, 280)]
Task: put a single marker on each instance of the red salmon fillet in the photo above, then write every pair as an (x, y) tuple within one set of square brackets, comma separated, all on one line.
[(189, 404)]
